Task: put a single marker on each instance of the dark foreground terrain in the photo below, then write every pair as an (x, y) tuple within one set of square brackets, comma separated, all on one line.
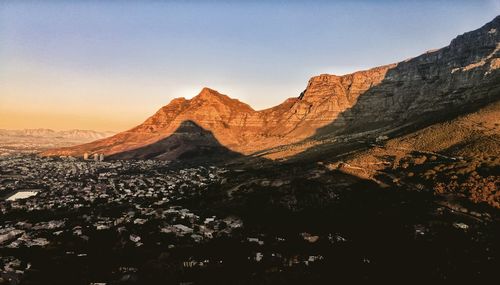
[(152, 222)]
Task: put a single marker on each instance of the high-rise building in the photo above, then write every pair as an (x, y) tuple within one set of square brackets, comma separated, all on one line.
[(85, 156), (101, 157), (96, 157)]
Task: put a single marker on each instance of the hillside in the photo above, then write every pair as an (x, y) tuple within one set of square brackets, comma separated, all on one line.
[(459, 156)]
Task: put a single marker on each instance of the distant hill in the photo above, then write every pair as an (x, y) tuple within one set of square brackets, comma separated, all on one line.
[(49, 133), (35, 140)]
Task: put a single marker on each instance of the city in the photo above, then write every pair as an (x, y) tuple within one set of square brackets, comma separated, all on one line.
[(143, 222), (80, 202)]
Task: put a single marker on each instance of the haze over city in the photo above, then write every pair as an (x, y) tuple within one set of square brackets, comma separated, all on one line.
[(109, 65)]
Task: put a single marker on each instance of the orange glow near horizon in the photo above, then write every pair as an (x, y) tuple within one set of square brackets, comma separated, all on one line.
[(70, 100), (58, 121), (109, 65)]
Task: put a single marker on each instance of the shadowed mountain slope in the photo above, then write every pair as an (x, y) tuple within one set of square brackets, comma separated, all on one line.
[(189, 141)]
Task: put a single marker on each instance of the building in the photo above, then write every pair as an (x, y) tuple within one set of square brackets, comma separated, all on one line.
[(85, 156), (96, 157), (101, 157)]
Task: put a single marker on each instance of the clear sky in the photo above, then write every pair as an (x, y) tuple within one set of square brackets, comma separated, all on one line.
[(108, 65)]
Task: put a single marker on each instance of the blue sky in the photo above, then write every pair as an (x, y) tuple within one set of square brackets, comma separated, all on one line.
[(110, 64)]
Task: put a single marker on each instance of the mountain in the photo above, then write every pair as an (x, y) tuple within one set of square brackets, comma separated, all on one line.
[(36, 140), (48, 133), (387, 100)]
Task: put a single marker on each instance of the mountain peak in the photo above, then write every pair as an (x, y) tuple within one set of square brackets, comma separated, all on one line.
[(208, 92), (208, 95)]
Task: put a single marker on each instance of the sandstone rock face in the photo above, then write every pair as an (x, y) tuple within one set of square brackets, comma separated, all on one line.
[(450, 80), (328, 96)]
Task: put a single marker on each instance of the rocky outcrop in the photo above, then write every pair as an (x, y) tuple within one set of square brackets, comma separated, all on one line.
[(451, 80)]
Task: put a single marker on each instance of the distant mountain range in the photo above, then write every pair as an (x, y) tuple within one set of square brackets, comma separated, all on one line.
[(390, 100), (37, 140), (49, 133)]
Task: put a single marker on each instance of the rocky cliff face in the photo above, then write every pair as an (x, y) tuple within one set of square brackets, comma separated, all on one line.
[(460, 77)]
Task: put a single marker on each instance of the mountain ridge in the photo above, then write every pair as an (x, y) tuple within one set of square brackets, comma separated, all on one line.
[(456, 78)]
